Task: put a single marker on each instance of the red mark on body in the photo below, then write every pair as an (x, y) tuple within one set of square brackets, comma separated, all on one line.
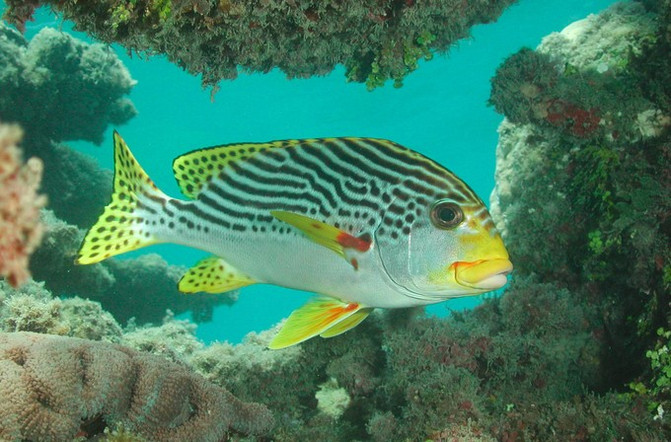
[(352, 242)]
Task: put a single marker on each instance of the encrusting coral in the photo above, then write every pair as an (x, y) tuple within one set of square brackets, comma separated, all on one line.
[(32, 308), (604, 195), (375, 40), (20, 204), (55, 388), (585, 87), (513, 366), (595, 192)]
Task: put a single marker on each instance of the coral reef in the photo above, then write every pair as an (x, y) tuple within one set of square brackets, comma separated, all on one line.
[(605, 197), (589, 180), (20, 204), (33, 309), (62, 87), (515, 368), (587, 87), (550, 360), (375, 40), (56, 388), (576, 349), (512, 369)]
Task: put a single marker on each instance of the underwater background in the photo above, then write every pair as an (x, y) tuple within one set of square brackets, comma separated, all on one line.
[(557, 114), (441, 111)]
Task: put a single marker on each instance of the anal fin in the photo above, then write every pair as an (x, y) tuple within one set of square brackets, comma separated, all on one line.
[(317, 317), (347, 324), (213, 275)]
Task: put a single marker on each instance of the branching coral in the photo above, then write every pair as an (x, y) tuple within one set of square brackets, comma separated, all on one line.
[(55, 388), (20, 227), (375, 40)]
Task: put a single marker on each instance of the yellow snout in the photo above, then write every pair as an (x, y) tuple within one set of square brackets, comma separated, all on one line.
[(485, 274)]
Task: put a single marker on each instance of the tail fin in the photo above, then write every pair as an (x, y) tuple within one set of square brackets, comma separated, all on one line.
[(120, 228)]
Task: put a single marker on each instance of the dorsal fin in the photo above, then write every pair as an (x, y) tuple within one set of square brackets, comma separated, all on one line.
[(195, 169)]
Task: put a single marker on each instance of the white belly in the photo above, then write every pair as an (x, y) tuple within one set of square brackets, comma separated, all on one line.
[(296, 262)]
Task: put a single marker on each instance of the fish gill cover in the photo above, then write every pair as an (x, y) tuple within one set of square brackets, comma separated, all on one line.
[(577, 348)]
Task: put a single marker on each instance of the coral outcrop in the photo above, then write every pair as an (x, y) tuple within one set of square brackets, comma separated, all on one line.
[(55, 388), (583, 194), (512, 368), (57, 85), (587, 87), (375, 40), (20, 204), (604, 195)]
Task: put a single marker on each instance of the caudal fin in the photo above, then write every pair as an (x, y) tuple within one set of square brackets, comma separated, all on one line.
[(121, 228)]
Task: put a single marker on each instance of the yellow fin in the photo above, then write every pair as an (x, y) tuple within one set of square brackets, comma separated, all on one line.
[(195, 169), (347, 324), (312, 319), (213, 275), (119, 229), (324, 234)]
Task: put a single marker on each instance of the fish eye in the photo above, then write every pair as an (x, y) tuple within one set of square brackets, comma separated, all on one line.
[(446, 215)]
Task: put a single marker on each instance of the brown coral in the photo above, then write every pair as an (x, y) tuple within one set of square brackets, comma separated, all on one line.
[(20, 204), (54, 388), (375, 40)]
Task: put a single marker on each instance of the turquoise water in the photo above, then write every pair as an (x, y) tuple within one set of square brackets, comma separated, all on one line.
[(440, 111)]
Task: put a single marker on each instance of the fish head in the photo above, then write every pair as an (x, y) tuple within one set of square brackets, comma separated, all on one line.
[(451, 249)]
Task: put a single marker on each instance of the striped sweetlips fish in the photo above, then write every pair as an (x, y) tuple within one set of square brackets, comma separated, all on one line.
[(364, 222)]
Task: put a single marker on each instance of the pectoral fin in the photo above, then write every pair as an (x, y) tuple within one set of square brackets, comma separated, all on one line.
[(318, 317), (325, 234), (213, 275)]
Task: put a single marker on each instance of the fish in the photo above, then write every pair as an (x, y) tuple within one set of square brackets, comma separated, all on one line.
[(364, 223)]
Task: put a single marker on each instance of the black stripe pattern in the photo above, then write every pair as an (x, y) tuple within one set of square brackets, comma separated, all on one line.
[(359, 185)]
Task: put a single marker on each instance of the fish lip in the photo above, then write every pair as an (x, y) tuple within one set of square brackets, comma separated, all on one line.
[(484, 274)]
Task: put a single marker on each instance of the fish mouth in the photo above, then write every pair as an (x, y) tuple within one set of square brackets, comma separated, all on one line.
[(486, 274)]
